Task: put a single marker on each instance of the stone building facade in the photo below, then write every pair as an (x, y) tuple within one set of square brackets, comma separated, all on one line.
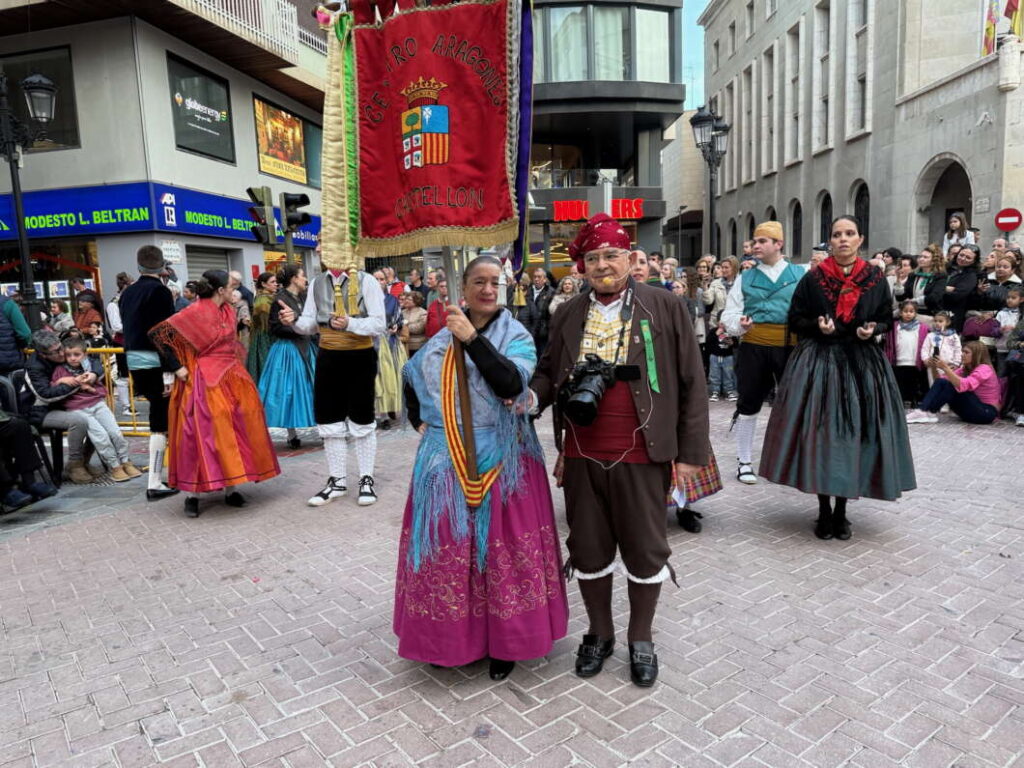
[(883, 108)]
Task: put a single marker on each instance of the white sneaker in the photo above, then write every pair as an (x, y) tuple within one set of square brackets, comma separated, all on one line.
[(366, 494), (745, 474), (334, 489), (733, 396), (1020, 420), (713, 398), (917, 416)]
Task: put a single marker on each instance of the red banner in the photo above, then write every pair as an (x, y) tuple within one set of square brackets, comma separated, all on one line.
[(437, 123)]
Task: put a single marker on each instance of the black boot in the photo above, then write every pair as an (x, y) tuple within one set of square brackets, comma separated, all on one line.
[(643, 663), (500, 669), (823, 527), (840, 525), (689, 520), (192, 506), (235, 499)]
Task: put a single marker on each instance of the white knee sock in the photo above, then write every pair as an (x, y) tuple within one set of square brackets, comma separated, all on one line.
[(366, 452), (745, 428), (122, 393), (157, 446), (292, 434), (336, 450)]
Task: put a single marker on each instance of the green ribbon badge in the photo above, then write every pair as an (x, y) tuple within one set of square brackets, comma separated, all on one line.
[(652, 364)]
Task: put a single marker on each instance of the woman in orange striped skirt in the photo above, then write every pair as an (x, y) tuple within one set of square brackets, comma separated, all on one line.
[(217, 436)]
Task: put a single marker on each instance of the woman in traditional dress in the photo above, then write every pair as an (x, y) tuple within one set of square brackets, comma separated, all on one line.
[(286, 386), (259, 333), (391, 358), (217, 438), (838, 427), (479, 563)]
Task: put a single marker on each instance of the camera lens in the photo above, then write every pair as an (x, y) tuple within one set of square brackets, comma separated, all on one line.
[(581, 407)]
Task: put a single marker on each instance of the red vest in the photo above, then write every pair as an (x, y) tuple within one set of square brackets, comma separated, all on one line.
[(615, 431)]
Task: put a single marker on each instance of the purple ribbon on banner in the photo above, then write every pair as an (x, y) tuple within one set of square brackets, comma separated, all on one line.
[(525, 136)]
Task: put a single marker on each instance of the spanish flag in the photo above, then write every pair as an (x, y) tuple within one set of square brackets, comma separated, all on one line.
[(1016, 16), (988, 44)]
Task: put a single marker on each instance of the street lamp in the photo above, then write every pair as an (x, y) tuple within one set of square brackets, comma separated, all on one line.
[(711, 135), (41, 98)]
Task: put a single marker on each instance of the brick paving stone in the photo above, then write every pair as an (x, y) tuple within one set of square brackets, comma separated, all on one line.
[(132, 636)]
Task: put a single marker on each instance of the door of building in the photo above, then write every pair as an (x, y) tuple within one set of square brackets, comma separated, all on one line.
[(200, 259)]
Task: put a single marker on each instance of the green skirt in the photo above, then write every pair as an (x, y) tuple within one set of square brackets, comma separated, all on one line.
[(838, 427), (259, 348)]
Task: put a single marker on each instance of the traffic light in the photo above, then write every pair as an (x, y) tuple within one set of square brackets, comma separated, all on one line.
[(291, 217), (265, 228)]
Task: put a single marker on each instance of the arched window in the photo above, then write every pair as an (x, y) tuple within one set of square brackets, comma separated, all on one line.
[(732, 237), (862, 210), (717, 247), (796, 231), (825, 230), (770, 214), (751, 224)]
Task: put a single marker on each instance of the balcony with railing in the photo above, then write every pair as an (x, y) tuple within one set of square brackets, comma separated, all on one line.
[(270, 24)]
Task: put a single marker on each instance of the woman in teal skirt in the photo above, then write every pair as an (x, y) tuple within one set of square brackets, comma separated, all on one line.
[(838, 428), (286, 386)]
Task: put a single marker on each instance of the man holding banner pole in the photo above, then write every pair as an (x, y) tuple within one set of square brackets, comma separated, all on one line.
[(347, 310)]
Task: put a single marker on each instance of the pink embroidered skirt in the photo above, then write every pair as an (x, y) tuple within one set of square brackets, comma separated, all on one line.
[(449, 613)]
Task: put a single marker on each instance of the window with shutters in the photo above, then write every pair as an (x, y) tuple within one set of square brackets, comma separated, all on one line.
[(859, 67), (769, 111), (794, 96), (823, 81)]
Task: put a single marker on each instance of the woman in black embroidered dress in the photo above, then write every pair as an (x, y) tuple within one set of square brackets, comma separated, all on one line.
[(837, 428)]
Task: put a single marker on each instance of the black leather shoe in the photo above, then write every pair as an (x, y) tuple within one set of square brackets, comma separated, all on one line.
[(689, 520), (500, 669), (155, 494), (295, 443), (643, 663), (841, 528), (823, 528), (235, 499), (192, 506), (591, 654)]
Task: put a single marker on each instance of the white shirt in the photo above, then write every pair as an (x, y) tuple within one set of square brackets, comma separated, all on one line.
[(907, 346), (374, 324), (734, 309), (608, 311)]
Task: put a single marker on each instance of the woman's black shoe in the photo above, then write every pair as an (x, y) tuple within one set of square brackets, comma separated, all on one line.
[(591, 654), (235, 499), (823, 528), (643, 663), (841, 528), (500, 669), (689, 520), (155, 494), (192, 506), (295, 443)]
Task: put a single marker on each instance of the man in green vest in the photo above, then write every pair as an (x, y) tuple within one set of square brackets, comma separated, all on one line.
[(757, 311)]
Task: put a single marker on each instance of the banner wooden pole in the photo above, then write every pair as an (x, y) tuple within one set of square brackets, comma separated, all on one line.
[(453, 273)]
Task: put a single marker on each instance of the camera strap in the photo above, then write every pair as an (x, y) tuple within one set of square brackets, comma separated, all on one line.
[(626, 316)]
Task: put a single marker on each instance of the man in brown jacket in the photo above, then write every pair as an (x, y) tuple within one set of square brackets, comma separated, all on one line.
[(617, 448)]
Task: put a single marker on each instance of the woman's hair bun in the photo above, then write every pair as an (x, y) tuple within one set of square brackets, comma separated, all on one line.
[(203, 288)]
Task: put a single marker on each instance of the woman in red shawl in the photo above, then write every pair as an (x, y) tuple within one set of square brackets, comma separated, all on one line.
[(218, 436), (837, 428)]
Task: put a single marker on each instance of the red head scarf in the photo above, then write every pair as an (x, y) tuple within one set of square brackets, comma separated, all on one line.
[(601, 231)]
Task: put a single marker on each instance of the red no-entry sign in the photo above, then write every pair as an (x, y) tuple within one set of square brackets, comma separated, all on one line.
[(1008, 219)]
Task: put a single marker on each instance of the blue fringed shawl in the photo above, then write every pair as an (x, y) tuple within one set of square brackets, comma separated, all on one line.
[(503, 435)]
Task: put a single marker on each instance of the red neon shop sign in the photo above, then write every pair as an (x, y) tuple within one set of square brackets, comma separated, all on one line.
[(579, 210)]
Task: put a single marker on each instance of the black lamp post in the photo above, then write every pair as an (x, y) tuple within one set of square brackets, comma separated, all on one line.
[(711, 134), (41, 98)]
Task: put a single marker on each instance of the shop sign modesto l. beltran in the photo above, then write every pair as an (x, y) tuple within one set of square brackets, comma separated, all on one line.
[(136, 207)]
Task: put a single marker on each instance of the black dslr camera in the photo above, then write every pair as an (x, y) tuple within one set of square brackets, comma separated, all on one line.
[(585, 388)]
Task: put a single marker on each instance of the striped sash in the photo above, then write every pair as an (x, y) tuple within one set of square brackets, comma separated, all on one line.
[(474, 490)]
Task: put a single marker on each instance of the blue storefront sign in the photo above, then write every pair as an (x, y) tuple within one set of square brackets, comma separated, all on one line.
[(137, 207)]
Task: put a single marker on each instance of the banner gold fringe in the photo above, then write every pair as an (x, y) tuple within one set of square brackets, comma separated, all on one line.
[(435, 237)]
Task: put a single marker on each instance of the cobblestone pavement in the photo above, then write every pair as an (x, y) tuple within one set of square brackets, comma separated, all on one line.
[(132, 636)]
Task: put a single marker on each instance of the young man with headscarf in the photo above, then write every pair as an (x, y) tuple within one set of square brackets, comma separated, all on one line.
[(619, 452), (348, 313), (757, 310)]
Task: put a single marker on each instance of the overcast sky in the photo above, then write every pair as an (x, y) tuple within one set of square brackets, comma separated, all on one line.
[(693, 53)]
